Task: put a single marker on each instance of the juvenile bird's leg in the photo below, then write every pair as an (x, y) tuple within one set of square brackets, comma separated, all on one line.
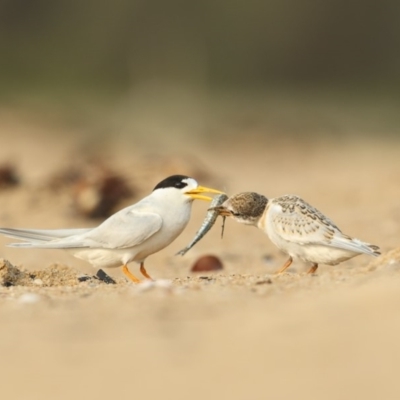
[(144, 272), (129, 275), (313, 268), (285, 266)]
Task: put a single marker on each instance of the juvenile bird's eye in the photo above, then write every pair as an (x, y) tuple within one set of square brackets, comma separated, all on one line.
[(235, 214)]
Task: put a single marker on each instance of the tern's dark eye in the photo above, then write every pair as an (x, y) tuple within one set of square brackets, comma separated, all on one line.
[(180, 185)]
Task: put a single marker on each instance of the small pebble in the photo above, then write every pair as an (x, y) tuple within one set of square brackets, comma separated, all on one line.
[(206, 278), (84, 278), (8, 176), (28, 298), (101, 275), (163, 284), (38, 282), (207, 263), (264, 282)]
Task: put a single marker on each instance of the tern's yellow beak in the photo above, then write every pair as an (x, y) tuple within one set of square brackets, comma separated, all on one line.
[(224, 212), (196, 193)]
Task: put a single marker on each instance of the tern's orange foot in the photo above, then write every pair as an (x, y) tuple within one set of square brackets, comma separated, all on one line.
[(129, 275), (144, 272)]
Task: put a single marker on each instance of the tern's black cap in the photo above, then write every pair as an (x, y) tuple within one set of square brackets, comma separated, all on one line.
[(174, 181)]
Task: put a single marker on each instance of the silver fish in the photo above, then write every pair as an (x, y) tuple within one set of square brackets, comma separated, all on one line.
[(207, 224)]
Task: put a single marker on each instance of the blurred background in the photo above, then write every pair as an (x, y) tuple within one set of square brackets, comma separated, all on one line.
[(204, 68), (100, 100)]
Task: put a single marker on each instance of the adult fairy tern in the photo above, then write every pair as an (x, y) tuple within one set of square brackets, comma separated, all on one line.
[(131, 234)]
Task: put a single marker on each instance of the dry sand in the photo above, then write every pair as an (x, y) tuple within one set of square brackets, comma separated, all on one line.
[(237, 334)]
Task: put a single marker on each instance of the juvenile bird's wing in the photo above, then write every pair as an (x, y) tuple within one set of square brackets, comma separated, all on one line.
[(352, 244), (297, 221)]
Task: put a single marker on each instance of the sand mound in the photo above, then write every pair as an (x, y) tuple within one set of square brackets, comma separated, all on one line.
[(53, 275)]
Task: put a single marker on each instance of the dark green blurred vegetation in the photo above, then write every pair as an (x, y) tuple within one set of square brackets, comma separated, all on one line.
[(120, 42), (113, 48)]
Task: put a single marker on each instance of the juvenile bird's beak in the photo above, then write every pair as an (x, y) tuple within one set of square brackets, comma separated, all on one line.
[(221, 211), (196, 193)]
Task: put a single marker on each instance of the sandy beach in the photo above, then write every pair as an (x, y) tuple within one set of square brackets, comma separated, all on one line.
[(239, 333)]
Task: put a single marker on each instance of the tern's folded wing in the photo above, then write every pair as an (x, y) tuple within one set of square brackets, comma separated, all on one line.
[(124, 230)]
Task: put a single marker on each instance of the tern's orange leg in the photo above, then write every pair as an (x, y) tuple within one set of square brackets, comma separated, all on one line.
[(129, 275), (144, 272), (312, 269), (285, 266)]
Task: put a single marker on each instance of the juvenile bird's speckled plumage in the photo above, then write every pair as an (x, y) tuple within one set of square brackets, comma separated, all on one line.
[(246, 207), (296, 228)]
